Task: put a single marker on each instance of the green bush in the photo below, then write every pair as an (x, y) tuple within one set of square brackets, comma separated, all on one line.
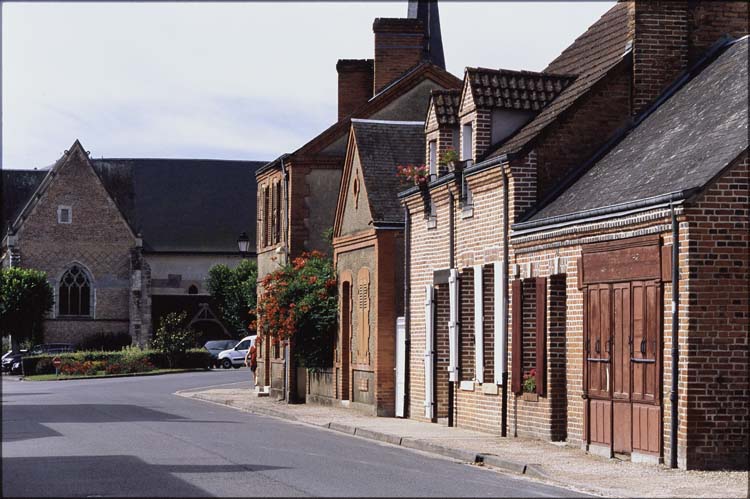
[(108, 342), (173, 336), (195, 358)]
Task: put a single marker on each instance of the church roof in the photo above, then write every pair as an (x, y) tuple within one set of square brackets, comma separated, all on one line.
[(677, 148), (184, 205), (382, 145), (17, 188)]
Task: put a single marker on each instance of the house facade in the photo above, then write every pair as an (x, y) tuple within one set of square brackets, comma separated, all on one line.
[(124, 241), (496, 333), (297, 192)]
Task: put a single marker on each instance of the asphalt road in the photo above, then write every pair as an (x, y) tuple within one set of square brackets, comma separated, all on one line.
[(133, 437)]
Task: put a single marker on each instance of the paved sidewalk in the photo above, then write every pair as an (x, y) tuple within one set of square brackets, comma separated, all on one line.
[(558, 464)]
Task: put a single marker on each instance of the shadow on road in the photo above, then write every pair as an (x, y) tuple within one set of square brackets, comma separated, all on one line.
[(105, 475), (23, 422)]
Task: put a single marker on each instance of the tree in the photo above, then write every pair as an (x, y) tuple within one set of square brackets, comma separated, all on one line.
[(299, 304), (235, 292), (173, 337), (25, 298)]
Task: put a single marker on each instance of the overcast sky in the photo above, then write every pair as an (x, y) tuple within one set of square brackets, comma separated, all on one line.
[(231, 81)]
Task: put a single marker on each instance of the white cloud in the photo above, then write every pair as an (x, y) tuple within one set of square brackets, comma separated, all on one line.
[(234, 80)]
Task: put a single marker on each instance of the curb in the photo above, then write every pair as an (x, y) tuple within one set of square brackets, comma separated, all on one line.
[(531, 470)]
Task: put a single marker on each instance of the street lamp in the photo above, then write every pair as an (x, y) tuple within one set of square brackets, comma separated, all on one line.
[(243, 243)]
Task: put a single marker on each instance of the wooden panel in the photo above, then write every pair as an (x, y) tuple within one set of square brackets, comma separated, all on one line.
[(600, 421), (666, 263), (598, 341), (517, 338), (541, 336), (646, 357), (622, 426), (647, 428), (363, 316), (621, 341), (623, 264)]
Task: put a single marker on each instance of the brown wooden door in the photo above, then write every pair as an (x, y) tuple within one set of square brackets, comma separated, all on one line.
[(621, 405), (597, 362)]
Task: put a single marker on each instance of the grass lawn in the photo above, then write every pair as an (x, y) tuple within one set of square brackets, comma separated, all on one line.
[(102, 374)]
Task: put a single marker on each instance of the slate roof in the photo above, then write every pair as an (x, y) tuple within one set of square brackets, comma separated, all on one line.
[(184, 205), (590, 57), (686, 142), (446, 103), (518, 90), (17, 188), (383, 145)]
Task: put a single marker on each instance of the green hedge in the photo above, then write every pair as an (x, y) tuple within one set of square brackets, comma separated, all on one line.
[(192, 359)]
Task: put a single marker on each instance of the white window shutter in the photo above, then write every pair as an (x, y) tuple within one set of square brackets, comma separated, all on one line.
[(453, 326), (428, 347), (478, 324), (501, 323)]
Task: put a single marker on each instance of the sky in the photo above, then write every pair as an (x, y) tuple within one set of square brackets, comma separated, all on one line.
[(226, 81)]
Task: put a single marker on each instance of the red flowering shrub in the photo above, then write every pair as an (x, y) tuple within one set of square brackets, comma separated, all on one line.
[(77, 368), (298, 303), (412, 174)]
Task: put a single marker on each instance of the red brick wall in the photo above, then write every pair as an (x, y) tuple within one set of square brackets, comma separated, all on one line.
[(399, 46), (660, 48), (708, 21), (466, 359), (355, 84), (718, 303)]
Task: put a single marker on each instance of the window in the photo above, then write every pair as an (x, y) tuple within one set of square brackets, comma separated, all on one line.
[(244, 345), (466, 138), (64, 215), (433, 158), (74, 293), (193, 289)]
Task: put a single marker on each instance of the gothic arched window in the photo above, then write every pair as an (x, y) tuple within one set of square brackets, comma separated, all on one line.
[(74, 293)]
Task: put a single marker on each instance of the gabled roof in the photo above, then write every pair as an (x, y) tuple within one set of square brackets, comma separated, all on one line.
[(590, 58), (399, 87), (184, 205), (679, 147), (383, 145), (518, 90), (179, 205), (446, 104), (17, 188)]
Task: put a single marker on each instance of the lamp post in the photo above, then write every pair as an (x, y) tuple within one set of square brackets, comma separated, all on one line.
[(243, 243)]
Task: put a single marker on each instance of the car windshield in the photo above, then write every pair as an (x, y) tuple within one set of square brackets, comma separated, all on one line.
[(243, 346)]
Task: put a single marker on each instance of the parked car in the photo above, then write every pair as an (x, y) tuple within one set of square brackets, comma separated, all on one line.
[(235, 357), (215, 347), (9, 359), (52, 348)]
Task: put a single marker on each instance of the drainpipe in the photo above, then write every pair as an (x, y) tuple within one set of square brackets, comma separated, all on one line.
[(285, 185), (407, 293), (675, 339), (452, 263), (504, 318)]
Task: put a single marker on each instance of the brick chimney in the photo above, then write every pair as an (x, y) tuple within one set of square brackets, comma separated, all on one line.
[(399, 46), (355, 84), (660, 48)]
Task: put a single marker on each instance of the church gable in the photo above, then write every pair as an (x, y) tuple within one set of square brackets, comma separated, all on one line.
[(356, 215), (72, 206)]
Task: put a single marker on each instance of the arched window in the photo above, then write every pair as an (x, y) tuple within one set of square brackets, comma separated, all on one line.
[(74, 294), (193, 289)]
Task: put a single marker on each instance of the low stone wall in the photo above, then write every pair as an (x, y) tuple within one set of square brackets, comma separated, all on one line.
[(321, 386)]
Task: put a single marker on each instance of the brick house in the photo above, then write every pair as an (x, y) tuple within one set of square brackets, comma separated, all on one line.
[(296, 192), (125, 240), (520, 134), (368, 255), (597, 258)]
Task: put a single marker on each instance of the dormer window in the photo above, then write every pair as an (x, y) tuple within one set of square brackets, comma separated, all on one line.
[(433, 158), (467, 141), (64, 214)]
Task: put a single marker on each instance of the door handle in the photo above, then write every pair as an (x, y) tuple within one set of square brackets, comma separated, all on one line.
[(643, 347)]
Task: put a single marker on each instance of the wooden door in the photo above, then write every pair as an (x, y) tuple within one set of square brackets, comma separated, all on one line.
[(597, 363), (621, 368), (346, 334)]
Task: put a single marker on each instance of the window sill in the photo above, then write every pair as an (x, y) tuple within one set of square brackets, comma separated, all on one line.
[(432, 223), (467, 211), (73, 318)]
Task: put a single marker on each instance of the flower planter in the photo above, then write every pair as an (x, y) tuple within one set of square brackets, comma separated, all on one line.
[(530, 397)]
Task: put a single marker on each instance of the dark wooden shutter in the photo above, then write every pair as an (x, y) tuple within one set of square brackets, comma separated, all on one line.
[(517, 338), (541, 336)]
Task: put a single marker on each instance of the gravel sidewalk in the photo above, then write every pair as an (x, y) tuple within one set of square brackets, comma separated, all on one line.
[(555, 463)]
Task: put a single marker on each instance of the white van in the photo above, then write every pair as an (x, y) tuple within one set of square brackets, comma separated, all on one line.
[(235, 357)]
